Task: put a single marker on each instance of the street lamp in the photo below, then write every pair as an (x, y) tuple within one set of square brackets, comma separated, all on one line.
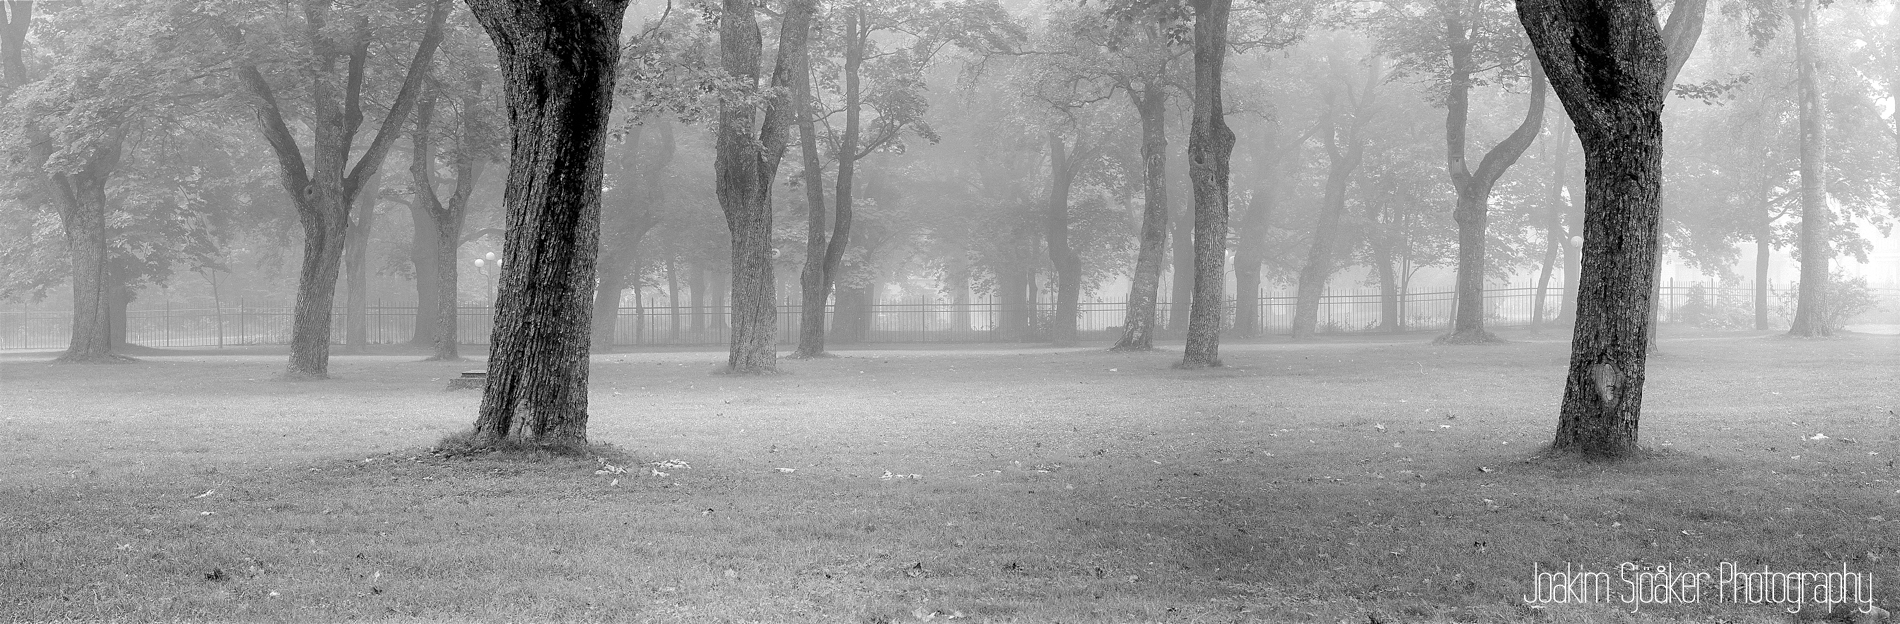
[(481, 264)]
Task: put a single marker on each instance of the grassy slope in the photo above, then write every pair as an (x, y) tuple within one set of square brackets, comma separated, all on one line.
[(1056, 486)]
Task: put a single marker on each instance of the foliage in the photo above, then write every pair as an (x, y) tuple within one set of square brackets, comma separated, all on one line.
[(1846, 298)]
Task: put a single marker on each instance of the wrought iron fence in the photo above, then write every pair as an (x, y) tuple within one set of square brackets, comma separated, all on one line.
[(915, 321)]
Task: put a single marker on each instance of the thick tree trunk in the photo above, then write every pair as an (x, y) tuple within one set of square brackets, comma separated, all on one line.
[(558, 68), (746, 165), (356, 261), (1138, 326), (1210, 144), (1063, 167), (1607, 63), (1811, 316), (81, 199)]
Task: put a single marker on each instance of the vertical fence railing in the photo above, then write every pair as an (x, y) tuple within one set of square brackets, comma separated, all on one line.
[(912, 321)]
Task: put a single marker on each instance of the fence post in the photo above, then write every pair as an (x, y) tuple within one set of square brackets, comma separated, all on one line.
[(241, 318), (379, 320)]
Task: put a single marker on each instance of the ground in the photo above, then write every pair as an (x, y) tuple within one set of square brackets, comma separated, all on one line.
[(1336, 480)]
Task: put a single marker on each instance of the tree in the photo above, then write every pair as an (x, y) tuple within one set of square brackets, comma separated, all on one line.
[(1810, 316), (1210, 144), (1607, 62), (112, 106), (1461, 44), (324, 189), (443, 220), (746, 164), (557, 69), (1345, 143)]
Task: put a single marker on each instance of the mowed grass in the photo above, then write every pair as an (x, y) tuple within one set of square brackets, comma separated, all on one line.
[(1324, 481)]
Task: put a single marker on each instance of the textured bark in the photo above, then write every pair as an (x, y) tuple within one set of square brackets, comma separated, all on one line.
[(1607, 63), (1343, 161), (444, 220), (1472, 213), (557, 66), (1210, 144), (1811, 304), (324, 190), (356, 266), (745, 165), (1138, 326)]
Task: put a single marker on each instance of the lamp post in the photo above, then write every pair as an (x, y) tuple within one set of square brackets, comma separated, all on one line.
[(476, 378), (494, 277)]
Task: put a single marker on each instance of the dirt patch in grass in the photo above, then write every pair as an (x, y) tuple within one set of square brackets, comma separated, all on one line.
[(1320, 481)]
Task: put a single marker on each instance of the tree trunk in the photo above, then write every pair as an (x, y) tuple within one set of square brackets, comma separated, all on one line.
[(1063, 167), (1210, 144), (746, 165), (118, 308), (1139, 323), (81, 199), (1556, 240), (1811, 316), (607, 310), (558, 68), (958, 278), (1343, 163), (323, 191), (1250, 236), (1181, 274), (815, 281), (1472, 213), (1012, 303), (1764, 249), (422, 250), (1607, 64), (671, 266), (356, 260), (696, 290), (1388, 290), (443, 220)]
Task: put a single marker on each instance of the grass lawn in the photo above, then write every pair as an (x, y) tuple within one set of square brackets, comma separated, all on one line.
[(1325, 481)]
